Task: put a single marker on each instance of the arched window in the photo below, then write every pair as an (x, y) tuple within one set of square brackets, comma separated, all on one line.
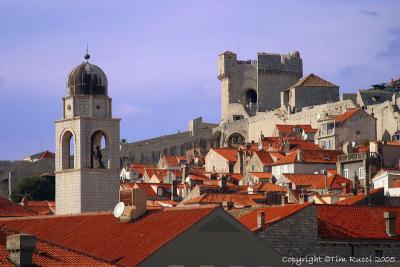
[(251, 96), (67, 151), (99, 153), (235, 138)]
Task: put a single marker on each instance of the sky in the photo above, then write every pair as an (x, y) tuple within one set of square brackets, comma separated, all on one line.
[(160, 57)]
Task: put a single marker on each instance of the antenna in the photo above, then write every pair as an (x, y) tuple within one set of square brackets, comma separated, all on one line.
[(119, 209)]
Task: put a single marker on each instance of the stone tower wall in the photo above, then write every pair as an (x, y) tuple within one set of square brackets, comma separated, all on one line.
[(268, 76)]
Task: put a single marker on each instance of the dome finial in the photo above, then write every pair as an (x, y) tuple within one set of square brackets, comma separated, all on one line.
[(87, 56)]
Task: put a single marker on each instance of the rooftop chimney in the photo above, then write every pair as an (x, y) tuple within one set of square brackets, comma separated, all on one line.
[(300, 155), (240, 159), (222, 183), (227, 205), (260, 219), (174, 190), (185, 168), (21, 247), (138, 208), (390, 221)]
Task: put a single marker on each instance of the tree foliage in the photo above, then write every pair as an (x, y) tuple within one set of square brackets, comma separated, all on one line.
[(35, 188)]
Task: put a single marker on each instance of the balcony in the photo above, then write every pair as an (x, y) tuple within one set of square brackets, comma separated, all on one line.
[(358, 156), (325, 133)]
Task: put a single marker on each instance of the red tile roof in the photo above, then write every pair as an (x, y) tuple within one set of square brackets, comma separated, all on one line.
[(264, 157), (312, 80), (147, 186), (47, 155), (349, 222), (49, 254), (311, 156), (173, 160), (317, 181), (228, 153), (269, 187), (44, 207), (239, 200), (302, 144), (262, 175), (354, 200), (272, 214), (102, 235), (345, 116), (12, 209), (289, 129)]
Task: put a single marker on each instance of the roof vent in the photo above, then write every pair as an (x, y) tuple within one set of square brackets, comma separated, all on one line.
[(390, 221), (21, 247)]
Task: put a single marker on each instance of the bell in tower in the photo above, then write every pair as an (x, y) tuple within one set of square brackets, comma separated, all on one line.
[(87, 144)]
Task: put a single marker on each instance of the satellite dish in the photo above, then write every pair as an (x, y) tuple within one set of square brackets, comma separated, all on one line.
[(305, 136), (119, 209), (260, 145), (318, 116), (353, 144)]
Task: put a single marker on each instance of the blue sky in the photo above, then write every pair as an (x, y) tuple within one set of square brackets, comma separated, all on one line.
[(160, 56)]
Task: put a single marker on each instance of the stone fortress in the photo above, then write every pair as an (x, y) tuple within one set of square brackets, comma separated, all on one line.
[(258, 94)]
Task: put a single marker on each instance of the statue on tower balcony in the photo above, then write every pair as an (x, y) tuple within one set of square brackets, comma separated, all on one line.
[(97, 156)]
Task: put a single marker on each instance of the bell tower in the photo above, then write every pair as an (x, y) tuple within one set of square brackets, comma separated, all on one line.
[(87, 144)]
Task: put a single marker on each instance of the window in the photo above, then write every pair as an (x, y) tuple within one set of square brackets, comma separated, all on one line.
[(345, 173), (378, 253), (361, 173), (253, 168)]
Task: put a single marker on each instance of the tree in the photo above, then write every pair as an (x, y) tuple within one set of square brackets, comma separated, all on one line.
[(123, 141), (35, 188)]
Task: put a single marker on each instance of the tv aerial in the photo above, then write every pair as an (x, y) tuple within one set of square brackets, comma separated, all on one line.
[(119, 209)]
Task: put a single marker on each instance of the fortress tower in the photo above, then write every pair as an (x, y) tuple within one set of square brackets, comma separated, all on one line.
[(87, 145), (255, 85)]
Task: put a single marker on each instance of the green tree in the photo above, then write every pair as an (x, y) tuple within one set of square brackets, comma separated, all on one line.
[(35, 188)]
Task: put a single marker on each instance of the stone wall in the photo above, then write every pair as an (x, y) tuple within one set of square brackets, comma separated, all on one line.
[(297, 236), (199, 134)]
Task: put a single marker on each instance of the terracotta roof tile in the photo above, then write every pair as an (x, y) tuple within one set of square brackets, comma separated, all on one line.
[(264, 157), (354, 200), (262, 175), (311, 156), (345, 116), (272, 214), (44, 207), (312, 80), (349, 222), (239, 200), (49, 254), (228, 153), (12, 209), (289, 128), (102, 235), (317, 181), (269, 187)]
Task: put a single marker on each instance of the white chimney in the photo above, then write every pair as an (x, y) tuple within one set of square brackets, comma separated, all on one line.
[(390, 221), (138, 208), (260, 219), (300, 155), (21, 247)]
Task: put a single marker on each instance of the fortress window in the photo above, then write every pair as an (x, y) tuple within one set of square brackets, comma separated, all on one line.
[(238, 117), (251, 96)]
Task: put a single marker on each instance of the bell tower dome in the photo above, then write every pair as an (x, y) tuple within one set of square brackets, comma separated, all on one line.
[(87, 144)]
